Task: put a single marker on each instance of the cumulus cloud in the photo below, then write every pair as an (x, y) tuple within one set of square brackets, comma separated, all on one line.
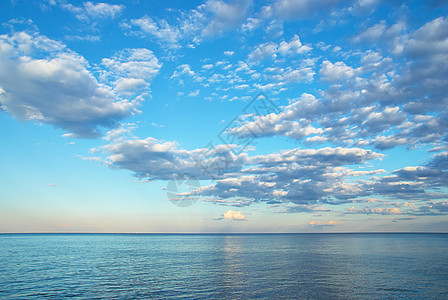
[(381, 32), (284, 123), (102, 10), (336, 72), (42, 80), (131, 70), (373, 101), (272, 50), (416, 182), (299, 176), (233, 216), (160, 160)]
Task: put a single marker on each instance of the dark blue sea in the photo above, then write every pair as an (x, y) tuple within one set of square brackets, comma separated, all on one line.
[(267, 266)]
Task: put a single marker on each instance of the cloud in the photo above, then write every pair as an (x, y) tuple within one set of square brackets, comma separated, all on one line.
[(364, 7), (251, 24), (299, 175), (233, 216), (152, 159), (224, 16), (336, 72), (416, 182), (90, 11), (284, 122), (383, 34), (272, 50), (290, 75), (368, 211), (293, 47), (194, 93), (161, 30), (131, 70), (315, 224), (184, 69), (102, 10), (264, 51), (42, 80), (375, 101), (210, 19), (301, 9)]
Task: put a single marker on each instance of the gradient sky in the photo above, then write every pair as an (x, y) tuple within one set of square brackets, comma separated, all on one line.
[(269, 116)]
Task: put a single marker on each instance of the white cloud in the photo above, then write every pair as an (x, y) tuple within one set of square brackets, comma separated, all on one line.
[(233, 215), (263, 51), (225, 16), (90, 11), (317, 224), (103, 10), (381, 33), (194, 93), (304, 74), (251, 24), (44, 80), (131, 70), (184, 69), (336, 72), (207, 66), (293, 47), (298, 9), (296, 175), (361, 7), (210, 19), (161, 30), (274, 29), (272, 50)]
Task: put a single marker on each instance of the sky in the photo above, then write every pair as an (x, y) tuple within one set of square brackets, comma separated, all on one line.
[(224, 116)]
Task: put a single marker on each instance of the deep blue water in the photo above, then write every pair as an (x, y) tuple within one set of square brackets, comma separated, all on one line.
[(271, 266)]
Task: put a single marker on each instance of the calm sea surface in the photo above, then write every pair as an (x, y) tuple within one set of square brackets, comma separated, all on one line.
[(270, 266)]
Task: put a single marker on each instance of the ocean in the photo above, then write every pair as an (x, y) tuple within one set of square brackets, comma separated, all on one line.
[(222, 266)]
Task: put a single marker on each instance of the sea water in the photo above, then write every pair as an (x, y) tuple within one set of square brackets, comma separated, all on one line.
[(220, 266)]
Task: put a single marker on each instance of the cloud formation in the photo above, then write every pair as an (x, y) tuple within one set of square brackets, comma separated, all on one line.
[(90, 11), (233, 216), (42, 80), (210, 19), (347, 96)]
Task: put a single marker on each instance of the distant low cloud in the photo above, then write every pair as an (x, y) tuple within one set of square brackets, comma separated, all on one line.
[(320, 225), (233, 216)]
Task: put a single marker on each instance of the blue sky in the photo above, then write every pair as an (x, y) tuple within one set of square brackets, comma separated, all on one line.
[(268, 116)]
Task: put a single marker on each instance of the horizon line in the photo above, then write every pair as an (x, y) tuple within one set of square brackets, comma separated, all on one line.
[(234, 233)]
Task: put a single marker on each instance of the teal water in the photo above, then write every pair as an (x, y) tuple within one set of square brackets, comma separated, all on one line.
[(269, 266)]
